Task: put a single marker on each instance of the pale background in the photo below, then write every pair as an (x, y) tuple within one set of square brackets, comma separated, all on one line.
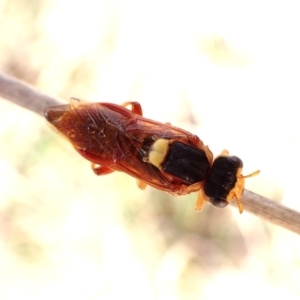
[(226, 70)]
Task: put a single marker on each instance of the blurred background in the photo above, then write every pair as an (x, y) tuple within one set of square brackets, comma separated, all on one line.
[(227, 71)]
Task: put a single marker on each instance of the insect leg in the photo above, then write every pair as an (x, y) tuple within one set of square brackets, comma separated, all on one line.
[(194, 187), (200, 201), (136, 107), (100, 170), (141, 184), (225, 152)]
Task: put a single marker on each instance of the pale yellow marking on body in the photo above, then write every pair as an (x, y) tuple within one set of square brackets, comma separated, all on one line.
[(158, 152)]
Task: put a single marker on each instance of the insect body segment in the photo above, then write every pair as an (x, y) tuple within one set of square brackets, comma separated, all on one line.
[(168, 158)]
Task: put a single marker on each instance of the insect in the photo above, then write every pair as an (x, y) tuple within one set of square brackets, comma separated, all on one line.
[(115, 138)]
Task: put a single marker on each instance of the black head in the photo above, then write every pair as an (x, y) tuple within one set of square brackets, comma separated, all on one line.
[(221, 180)]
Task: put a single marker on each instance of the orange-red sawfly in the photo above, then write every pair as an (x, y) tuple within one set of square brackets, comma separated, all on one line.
[(165, 157)]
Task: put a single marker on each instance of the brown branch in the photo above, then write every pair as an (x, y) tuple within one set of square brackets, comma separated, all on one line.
[(24, 95), (28, 97), (271, 211)]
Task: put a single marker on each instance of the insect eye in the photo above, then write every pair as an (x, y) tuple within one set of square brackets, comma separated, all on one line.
[(218, 202)]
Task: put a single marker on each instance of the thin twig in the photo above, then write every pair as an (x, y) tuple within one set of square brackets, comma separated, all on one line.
[(271, 211), (28, 97), (24, 95)]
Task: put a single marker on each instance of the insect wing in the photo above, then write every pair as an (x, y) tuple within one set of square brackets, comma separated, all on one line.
[(142, 133)]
